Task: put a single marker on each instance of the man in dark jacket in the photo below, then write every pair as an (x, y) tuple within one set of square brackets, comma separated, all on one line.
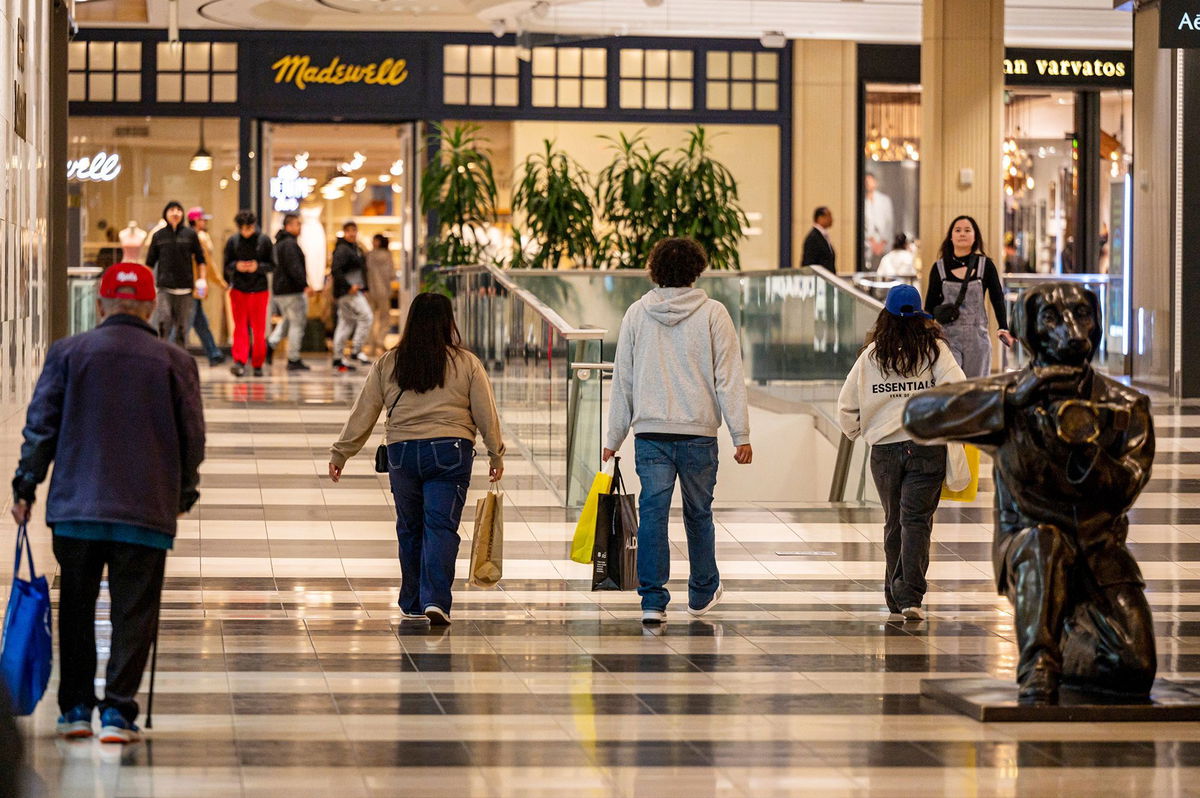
[(290, 294), (176, 256), (354, 316), (818, 249), (248, 260), (119, 414)]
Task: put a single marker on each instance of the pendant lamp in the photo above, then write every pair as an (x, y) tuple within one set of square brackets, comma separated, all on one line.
[(202, 161)]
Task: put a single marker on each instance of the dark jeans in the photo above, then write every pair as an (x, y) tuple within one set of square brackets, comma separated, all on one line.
[(200, 325), (659, 463), (429, 482), (135, 579), (909, 479)]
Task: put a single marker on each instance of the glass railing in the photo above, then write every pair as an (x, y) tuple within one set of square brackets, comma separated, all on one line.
[(1114, 345), (81, 292), (550, 411)]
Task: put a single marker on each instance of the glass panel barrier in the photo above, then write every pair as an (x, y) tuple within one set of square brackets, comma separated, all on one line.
[(1109, 288), (82, 289)]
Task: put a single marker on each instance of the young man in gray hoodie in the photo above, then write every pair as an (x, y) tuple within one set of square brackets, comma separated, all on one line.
[(678, 371)]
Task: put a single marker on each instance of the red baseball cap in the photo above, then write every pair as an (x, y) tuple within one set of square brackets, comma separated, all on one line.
[(128, 281), (197, 213)]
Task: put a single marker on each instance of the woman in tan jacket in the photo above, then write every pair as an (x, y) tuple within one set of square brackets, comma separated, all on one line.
[(437, 397)]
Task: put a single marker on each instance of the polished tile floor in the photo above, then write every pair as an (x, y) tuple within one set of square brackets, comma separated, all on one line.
[(285, 669)]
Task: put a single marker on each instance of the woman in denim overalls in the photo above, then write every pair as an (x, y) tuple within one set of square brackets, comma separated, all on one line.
[(962, 259)]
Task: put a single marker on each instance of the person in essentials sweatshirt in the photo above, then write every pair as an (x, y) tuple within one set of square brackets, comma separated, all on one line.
[(437, 397), (291, 293), (678, 370), (905, 353), (354, 317), (248, 260), (176, 257)]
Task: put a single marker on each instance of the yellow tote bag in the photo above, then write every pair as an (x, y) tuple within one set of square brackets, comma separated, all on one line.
[(968, 493), (585, 529)]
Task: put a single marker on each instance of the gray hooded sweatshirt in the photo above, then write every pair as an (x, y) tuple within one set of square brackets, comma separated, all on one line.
[(678, 369)]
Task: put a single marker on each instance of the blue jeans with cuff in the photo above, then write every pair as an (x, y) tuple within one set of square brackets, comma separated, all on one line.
[(429, 483), (659, 463)]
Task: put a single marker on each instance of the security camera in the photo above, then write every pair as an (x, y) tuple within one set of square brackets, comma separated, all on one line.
[(498, 28)]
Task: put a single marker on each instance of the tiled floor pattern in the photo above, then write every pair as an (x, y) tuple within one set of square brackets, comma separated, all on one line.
[(285, 670)]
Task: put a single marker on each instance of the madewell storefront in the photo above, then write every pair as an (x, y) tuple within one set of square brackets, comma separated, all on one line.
[(336, 127)]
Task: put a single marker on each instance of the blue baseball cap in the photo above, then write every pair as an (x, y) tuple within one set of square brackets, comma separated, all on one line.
[(905, 301)]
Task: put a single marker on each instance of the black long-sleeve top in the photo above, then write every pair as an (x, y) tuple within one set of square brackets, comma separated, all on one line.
[(992, 286), (170, 255), (258, 248)]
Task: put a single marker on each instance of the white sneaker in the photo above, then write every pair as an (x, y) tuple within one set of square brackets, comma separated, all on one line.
[(698, 611), (413, 616), (913, 614), (437, 616), (654, 616), (361, 357)]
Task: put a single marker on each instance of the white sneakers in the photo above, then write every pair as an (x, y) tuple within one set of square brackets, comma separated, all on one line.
[(698, 611), (437, 616), (654, 616), (913, 614)]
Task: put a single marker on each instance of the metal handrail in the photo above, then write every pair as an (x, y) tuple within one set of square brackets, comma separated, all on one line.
[(845, 285), (548, 314), (1018, 278)]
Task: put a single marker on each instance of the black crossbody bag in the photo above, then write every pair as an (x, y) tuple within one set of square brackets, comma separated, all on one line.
[(381, 458), (948, 312)]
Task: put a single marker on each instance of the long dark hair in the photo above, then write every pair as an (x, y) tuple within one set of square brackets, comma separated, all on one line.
[(947, 250), (430, 341), (904, 346)]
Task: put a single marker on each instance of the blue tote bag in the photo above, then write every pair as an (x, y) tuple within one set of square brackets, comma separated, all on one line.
[(26, 649)]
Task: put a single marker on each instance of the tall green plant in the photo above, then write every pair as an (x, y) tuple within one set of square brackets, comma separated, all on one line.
[(459, 189), (557, 205), (706, 205), (634, 195)]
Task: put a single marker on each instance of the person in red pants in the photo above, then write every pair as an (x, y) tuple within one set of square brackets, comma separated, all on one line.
[(248, 261)]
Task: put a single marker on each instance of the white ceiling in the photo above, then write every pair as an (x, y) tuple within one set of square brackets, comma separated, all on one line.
[(1063, 23)]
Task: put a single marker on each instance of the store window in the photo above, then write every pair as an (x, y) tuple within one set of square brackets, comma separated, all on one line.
[(480, 74), (656, 79), (742, 81), (891, 171), (570, 77), (104, 72), (197, 72)]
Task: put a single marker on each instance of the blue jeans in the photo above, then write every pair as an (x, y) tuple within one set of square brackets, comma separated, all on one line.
[(429, 482), (659, 463), (200, 324)]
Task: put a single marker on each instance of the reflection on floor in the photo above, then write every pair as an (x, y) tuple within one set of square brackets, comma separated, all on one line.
[(285, 669)]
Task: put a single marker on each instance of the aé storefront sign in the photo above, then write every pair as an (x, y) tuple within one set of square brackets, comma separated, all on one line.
[(1179, 24), (1076, 68), (325, 75)]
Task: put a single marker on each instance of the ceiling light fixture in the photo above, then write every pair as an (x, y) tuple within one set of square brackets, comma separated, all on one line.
[(774, 39), (499, 28), (397, 167), (360, 185), (173, 22), (202, 161), (653, 3)]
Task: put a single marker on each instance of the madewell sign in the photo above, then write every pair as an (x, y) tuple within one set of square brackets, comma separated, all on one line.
[(300, 71), (1179, 24)]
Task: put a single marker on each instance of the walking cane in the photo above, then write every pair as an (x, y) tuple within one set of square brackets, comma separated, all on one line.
[(153, 668)]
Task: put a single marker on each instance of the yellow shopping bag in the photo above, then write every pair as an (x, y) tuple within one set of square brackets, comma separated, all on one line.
[(968, 493), (585, 529)]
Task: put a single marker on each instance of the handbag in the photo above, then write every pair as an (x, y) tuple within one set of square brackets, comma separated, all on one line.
[(948, 312), (614, 557), (381, 458), (26, 649), (962, 473), (583, 544), (487, 543)]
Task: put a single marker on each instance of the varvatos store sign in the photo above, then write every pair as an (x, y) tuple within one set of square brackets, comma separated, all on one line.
[(268, 79)]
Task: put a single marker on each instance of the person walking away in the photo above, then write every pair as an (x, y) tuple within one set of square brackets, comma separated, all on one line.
[(198, 221), (291, 293), (118, 413), (905, 353), (818, 247), (437, 398), (677, 372), (176, 257), (898, 263), (354, 315), (963, 266), (381, 271), (248, 260)]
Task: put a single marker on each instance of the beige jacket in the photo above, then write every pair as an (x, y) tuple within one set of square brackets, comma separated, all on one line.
[(463, 406)]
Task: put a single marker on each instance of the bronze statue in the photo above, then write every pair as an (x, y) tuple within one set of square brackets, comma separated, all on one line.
[(1072, 450)]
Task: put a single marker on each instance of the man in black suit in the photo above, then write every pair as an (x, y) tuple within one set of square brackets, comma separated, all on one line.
[(818, 249)]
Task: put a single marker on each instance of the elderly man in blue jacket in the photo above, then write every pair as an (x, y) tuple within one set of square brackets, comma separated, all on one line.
[(118, 412)]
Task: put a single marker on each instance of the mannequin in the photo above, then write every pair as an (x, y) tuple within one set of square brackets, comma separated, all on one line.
[(132, 238), (312, 244)]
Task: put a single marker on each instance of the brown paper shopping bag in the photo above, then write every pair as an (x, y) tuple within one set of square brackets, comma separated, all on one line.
[(487, 544)]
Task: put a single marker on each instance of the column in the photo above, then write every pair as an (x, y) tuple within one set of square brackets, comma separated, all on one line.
[(824, 143), (962, 97)]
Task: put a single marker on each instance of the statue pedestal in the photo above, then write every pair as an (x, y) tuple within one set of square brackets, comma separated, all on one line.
[(992, 700)]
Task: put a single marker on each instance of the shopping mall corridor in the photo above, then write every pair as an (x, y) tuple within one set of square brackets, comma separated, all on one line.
[(285, 669)]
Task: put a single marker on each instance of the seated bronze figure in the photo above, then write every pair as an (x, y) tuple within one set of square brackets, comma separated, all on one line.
[(1072, 450)]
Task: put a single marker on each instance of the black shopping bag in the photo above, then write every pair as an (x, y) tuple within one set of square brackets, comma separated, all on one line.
[(614, 562)]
